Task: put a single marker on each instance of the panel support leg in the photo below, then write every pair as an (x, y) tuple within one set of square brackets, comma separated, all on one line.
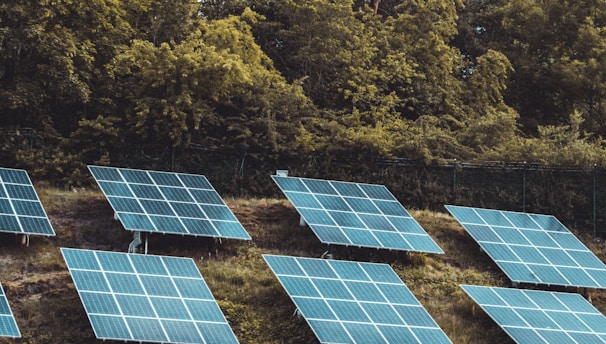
[(134, 245), (25, 240)]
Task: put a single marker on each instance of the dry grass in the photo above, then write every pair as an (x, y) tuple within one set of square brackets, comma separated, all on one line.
[(436, 282), (48, 310)]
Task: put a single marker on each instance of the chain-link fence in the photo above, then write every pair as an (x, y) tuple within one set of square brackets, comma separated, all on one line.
[(575, 195)]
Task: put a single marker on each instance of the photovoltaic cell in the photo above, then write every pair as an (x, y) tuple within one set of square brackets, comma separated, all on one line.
[(532, 248), (354, 302), (531, 316), (8, 325), (165, 202), (20, 208), (354, 214), (133, 297)]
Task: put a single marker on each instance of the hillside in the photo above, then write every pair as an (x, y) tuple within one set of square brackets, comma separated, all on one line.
[(48, 310)]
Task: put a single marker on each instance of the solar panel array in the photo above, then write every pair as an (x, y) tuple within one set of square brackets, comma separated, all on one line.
[(20, 208), (354, 214), (177, 203), (134, 297), (8, 325), (530, 316), (532, 248), (354, 302)]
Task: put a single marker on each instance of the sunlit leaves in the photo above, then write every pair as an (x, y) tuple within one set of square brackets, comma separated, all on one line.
[(214, 88)]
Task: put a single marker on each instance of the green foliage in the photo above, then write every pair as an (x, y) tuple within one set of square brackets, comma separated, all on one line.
[(216, 88), (315, 42), (54, 165), (431, 80), (491, 123), (162, 21), (50, 55), (553, 47), (563, 144), (163, 82), (42, 61), (96, 138)]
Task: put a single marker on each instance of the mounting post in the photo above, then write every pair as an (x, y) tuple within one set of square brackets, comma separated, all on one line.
[(327, 254), (146, 242), (25, 240), (132, 247)]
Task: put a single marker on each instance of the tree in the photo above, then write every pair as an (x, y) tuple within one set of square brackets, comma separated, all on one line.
[(162, 21), (51, 70), (584, 74), (44, 63), (216, 89), (221, 9), (312, 42), (492, 124), (551, 45)]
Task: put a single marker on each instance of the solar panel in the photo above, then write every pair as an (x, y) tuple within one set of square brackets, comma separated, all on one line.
[(135, 297), (354, 214), (531, 316), (354, 302), (165, 202), (532, 248), (20, 209), (8, 325)]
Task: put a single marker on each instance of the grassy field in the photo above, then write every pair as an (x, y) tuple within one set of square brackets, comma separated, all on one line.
[(48, 310)]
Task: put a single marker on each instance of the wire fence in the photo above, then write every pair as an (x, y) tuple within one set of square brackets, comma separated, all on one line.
[(575, 195)]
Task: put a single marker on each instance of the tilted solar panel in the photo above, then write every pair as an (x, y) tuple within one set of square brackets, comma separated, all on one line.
[(147, 298), (166, 202), (8, 325), (531, 316), (353, 302), (20, 209), (355, 214), (532, 248)]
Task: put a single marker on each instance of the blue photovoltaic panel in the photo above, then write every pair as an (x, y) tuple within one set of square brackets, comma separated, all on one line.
[(145, 298), (354, 214), (166, 202), (20, 208), (8, 325), (532, 248), (353, 302), (531, 316)]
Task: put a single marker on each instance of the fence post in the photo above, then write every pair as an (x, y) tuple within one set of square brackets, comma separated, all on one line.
[(595, 168), (524, 187), (172, 160), (241, 167), (454, 175)]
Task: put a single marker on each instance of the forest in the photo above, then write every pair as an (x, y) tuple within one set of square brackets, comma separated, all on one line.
[(83, 82)]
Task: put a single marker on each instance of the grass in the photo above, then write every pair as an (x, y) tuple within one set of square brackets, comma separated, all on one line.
[(48, 310)]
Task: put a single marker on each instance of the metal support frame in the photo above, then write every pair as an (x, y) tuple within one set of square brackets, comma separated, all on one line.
[(25, 240), (137, 242), (327, 254)]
